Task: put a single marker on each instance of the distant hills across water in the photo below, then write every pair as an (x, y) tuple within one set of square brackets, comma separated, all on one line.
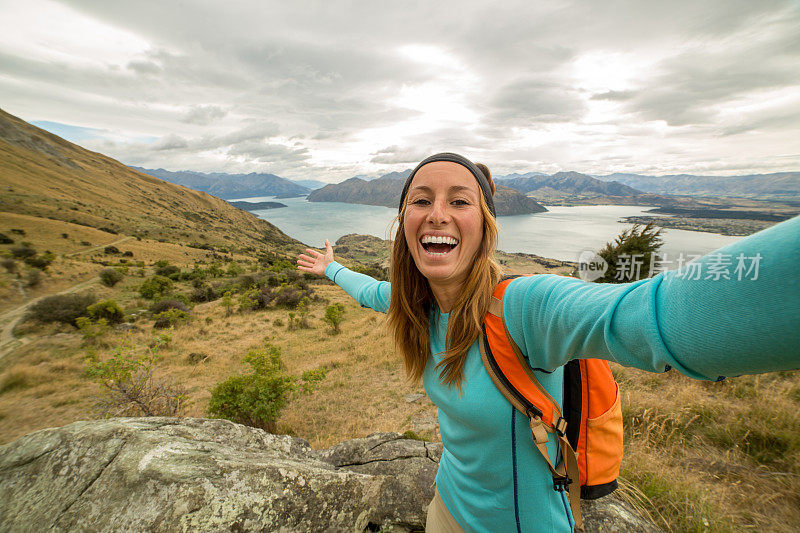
[(517, 193)]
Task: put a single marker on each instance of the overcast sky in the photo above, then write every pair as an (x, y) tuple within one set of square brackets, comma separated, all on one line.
[(331, 89)]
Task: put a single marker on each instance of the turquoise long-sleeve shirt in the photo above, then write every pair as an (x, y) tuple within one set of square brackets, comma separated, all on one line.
[(726, 323)]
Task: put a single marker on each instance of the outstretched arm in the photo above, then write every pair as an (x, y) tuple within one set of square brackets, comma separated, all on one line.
[(706, 328), (367, 291)]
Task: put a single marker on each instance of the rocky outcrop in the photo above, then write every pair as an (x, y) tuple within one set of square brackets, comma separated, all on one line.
[(165, 474)]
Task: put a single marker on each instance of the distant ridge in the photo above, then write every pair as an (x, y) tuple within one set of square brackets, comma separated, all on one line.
[(229, 186), (386, 191), (776, 186), (573, 183)]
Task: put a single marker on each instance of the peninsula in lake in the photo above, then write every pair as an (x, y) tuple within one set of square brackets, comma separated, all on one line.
[(257, 206), (386, 191)]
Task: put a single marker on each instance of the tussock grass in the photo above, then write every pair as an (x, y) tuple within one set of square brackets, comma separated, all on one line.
[(714, 456)]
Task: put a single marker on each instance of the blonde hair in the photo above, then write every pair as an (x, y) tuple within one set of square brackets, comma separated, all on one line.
[(412, 300)]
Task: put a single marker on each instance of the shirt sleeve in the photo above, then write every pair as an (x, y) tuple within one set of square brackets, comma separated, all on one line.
[(744, 321), (367, 291)]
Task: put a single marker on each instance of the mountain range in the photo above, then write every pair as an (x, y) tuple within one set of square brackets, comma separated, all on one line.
[(228, 186), (568, 183), (386, 191), (776, 186)]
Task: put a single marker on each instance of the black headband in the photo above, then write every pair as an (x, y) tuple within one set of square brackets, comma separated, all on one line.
[(482, 180)]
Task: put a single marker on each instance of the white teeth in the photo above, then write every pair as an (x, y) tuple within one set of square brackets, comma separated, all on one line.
[(430, 239)]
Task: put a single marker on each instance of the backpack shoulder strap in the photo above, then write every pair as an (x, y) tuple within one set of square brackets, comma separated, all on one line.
[(513, 364), (513, 377)]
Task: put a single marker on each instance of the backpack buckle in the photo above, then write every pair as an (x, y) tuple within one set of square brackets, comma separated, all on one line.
[(561, 484), (560, 426)]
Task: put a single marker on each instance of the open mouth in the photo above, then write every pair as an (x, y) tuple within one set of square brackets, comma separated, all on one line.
[(438, 245)]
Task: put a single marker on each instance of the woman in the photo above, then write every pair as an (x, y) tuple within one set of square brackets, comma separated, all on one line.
[(490, 477)]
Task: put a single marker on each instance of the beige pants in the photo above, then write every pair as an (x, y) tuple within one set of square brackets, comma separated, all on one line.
[(439, 518)]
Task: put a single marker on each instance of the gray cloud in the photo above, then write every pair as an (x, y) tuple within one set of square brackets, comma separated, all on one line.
[(393, 155), (529, 101), (170, 142), (204, 115)]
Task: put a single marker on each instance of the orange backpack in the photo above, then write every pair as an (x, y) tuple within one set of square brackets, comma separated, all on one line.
[(589, 431)]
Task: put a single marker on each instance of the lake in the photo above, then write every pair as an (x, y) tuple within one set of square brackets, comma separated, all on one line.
[(561, 233)]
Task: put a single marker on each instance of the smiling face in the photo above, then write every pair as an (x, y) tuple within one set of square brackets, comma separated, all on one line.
[(443, 223)]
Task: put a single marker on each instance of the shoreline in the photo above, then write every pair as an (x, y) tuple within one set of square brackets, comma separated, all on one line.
[(720, 226)]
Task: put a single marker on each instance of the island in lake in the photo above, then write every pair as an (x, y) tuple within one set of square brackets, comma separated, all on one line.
[(257, 206)]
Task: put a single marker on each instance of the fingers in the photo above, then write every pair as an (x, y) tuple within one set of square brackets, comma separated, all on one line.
[(308, 259), (328, 247), (313, 252)]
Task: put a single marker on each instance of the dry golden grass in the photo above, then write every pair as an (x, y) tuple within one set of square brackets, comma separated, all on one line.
[(715, 456)]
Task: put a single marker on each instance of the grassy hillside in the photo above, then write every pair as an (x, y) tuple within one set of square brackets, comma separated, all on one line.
[(45, 176)]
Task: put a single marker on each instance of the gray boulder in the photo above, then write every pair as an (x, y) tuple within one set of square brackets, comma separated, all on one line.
[(166, 474)]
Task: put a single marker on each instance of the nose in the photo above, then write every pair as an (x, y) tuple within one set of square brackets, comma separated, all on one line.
[(439, 213)]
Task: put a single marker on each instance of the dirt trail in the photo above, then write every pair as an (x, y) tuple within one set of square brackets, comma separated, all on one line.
[(98, 247), (9, 319)]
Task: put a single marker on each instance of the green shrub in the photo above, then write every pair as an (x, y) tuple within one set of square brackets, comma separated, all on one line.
[(168, 271), (227, 303), (203, 293), (129, 385), (333, 316), (165, 305), (234, 269), (170, 318), (5, 239), (110, 276), (23, 251), (41, 261), (9, 264), (256, 399), (111, 250), (65, 308), (248, 300), (374, 270), (92, 329), (17, 231), (155, 287), (265, 297), (33, 278), (288, 297), (108, 310)]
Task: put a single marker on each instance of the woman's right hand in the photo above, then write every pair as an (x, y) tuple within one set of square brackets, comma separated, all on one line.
[(316, 262)]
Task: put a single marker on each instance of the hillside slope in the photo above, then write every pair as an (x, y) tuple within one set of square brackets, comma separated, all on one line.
[(46, 176)]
